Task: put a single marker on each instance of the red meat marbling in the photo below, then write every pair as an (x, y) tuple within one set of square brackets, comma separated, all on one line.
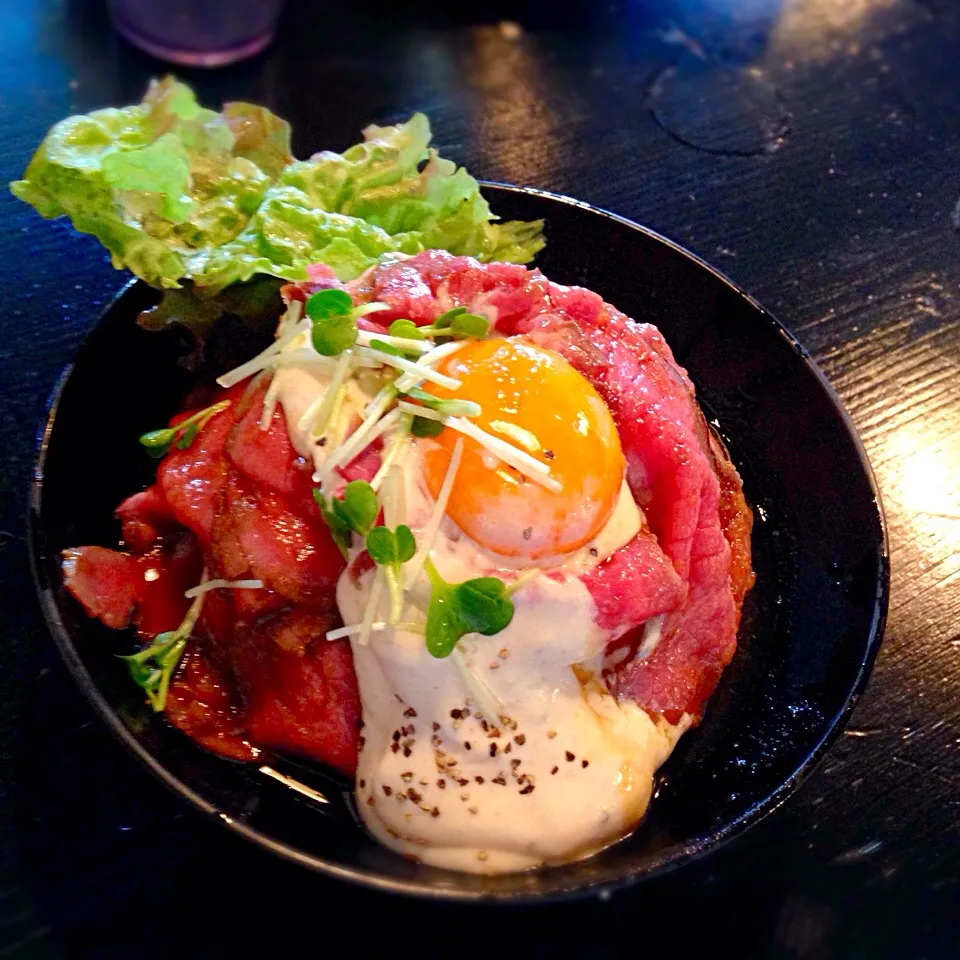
[(239, 500), (678, 473)]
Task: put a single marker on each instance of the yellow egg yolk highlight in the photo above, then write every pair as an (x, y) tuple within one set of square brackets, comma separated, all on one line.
[(533, 399)]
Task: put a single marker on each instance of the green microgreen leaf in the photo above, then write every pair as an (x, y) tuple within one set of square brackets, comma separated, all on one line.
[(333, 334), (356, 512), (424, 427), (481, 605), (159, 442), (444, 628), (470, 325), (390, 549), (459, 324), (459, 408), (359, 506), (427, 399), (447, 317), (386, 348), (334, 324), (406, 329), (338, 526), (325, 304), (449, 408), (152, 668), (382, 545), (406, 544), (484, 605), (187, 436)]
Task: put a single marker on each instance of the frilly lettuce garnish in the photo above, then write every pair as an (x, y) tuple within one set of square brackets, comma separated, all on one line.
[(177, 192)]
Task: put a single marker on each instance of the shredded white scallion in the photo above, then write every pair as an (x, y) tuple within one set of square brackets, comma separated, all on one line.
[(291, 318), (193, 613), (531, 468), (364, 338), (394, 499), (430, 359), (311, 416), (408, 366), (307, 356), (355, 395), (378, 406), (317, 415), (299, 356), (353, 628), (420, 411), (345, 417), (432, 527), (370, 614), (209, 585), (269, 404), (652, 630), (394, 452), (469, 408), (366, 308), (385, 395), (397, 476), (528, 576), (262, 359), (506, 451), (333, 421), (390, 499), (356, 443)]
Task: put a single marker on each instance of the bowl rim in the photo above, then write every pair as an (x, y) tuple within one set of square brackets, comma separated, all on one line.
[(369, 878)]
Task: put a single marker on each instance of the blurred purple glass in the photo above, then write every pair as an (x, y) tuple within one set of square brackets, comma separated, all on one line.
[(203, 33)]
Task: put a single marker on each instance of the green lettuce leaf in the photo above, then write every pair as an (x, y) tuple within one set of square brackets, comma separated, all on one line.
[(179, 192), (395, 181), (391, 193), (219, 330), (155, 181)]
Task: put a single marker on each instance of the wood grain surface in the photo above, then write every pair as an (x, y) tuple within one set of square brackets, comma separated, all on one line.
[(811, 151)]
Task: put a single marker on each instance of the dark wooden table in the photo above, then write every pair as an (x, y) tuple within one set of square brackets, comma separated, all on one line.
[(809, 149)]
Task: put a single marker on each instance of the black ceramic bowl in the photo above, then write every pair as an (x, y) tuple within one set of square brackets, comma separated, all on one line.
[(811, 626)]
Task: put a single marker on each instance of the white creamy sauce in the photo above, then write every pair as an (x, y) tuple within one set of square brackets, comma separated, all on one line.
[(297, 389), (563, 771)]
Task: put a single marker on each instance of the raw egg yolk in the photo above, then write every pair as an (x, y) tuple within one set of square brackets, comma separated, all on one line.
[(533, 399)]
